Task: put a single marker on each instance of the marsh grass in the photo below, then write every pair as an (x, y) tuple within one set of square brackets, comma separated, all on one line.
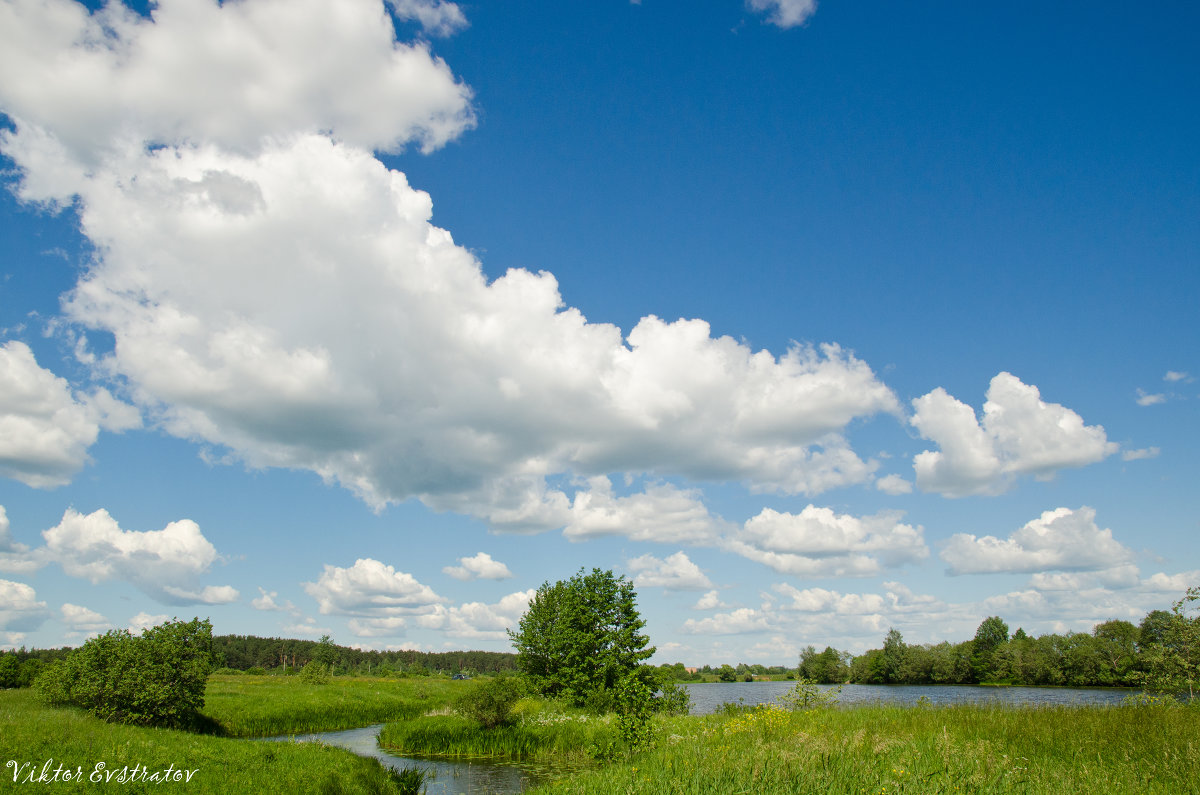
[(34, 733), (891, 749), (566, 740), (265, 706)]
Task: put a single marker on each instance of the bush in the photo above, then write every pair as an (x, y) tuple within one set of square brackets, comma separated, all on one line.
[(157, 679), (491, 701), (256, 670), (315, 673)]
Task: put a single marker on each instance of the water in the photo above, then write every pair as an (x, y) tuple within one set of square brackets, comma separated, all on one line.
[(447, 777), (708, 697)]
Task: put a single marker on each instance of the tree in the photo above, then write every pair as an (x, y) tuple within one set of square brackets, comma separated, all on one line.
[(1173, 658), (581, 637), (894, 654), (992, 633), (157, 679)]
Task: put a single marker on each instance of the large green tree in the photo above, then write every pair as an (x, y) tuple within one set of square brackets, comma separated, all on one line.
[(581, 637)]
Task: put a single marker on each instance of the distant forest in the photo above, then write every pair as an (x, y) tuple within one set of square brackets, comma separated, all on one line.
[(1114, 654), (250, 651)]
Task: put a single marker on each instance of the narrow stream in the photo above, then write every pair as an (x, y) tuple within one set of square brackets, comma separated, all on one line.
[(446, 777)]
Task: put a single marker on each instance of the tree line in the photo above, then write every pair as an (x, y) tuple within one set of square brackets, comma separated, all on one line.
[(1162, 652), (243, 652)]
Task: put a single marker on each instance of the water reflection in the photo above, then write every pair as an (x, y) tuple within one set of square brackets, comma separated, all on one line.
[(447, 777), (708, 697)]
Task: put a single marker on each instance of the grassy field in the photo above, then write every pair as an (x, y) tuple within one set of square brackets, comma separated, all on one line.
[(265, 706), (36, 738), (886, 749)]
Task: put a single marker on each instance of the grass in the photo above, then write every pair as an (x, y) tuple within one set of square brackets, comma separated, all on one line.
[(265, 706), (544, 732), (36, 734), (892, 749)]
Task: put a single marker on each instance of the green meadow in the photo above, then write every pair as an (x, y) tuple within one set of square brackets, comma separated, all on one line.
[(874, 749)]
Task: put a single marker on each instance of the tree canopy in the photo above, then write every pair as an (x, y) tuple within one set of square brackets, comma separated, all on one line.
[(581, 637)]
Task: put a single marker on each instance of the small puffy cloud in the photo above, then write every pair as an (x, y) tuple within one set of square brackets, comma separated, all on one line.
[(45, 429), (1140, 454), (820, 600), (1117, 577), (477, 619), (894, 485), (1020, 434), (820, 542), (266, 601), (306, 626), (784, 13), (662, 513), (480, 566), (677, 573), (1145, 398), (143, 621), (370, 588), (1175, 376), (710, 601), (14, 558), (437, 17), (742, 621), (165, 563), (1172, 583), (388, 627), (20, 610), (82, 620), (1058, 540)]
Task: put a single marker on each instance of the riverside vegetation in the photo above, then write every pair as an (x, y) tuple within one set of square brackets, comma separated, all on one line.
[(599, 729)]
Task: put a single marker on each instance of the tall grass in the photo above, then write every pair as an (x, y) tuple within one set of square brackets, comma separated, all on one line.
[(264, 706), (33, 733), (892, 749), (572, 740)]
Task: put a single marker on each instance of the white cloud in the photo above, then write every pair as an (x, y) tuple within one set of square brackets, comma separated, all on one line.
[(1174, 376), (820, 542), (480, 566), (370, 588), (1173, 583), (820, 600), (83, 620), (677, 573), (437, 17), (742, 621), (20, 610), (389, 627), (894, 485), (232, 74), (785, 13), (266, 601), (143, 621), (1059, 540), (1140, 454), (45, 430), (1145, 398), (163, 563), (14, 558), (662, 513), (1020, 435), (710, 601), (478, 620), (337, 330)]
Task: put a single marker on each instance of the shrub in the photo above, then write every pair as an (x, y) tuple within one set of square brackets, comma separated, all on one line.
[(256, 670), (491, 701), (157, 679), (315, 673)]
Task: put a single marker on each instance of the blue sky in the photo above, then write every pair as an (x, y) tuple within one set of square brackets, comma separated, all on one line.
[(368, 319)]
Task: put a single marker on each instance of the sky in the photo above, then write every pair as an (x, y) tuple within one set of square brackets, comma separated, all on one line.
[(812, 320)]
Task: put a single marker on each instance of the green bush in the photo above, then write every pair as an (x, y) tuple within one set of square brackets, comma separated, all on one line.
[(256, 670), (315, 673), (491, 701), (157, 679)]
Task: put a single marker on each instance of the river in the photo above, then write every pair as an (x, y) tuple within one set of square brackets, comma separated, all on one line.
[(708, 697), (460, 777)]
